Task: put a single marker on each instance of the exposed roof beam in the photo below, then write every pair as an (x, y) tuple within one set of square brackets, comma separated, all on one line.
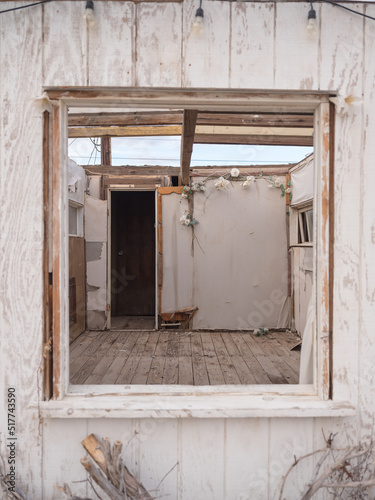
[(206, 134), (187, 142), (130, 170), (136, 131), (124, 119), (204, 118), (253, 140)]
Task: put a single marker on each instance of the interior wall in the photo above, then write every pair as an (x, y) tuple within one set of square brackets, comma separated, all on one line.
[(96, 261), (228, 458), (302, 284), (177, 275), (240, 256)]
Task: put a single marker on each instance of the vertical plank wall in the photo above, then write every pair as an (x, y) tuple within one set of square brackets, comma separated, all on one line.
[(245, 45)]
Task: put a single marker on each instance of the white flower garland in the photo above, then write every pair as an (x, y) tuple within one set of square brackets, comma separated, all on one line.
[(222, 183)]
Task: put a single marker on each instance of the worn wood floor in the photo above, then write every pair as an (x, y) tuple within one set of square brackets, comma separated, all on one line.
[(185, 358)]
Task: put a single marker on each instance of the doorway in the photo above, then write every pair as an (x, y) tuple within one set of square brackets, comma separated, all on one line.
[(132, 268)]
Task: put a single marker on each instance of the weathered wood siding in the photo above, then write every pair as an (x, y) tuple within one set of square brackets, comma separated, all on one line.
[(246, 45)]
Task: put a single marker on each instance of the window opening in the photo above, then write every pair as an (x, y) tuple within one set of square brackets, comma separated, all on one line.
[(175, 266)]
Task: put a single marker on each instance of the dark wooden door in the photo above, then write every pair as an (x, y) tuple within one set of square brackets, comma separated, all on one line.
[(133, 253)]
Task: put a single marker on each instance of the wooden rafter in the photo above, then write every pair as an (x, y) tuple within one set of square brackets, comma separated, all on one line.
[(105, 150), (187, 142), (132, 131), (272, 140), (130, 170), (205, 134), (204, 118)]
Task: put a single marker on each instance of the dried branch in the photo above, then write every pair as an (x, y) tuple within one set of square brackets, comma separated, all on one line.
[(351, 484), (312, 489), (66, 489), (296, 462), (110, 462), (337, 472), (98, 476)]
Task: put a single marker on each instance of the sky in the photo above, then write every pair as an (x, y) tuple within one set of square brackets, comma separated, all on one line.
[(165, 151)]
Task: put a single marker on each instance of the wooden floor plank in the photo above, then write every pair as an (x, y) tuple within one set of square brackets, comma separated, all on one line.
[(102, 367), (94, 353), (80, 344), (256, 369), (200, 374), (227, 368), (143, 369), (185, 364), (291, 358), (123, 354), (170, 375), (130, 367), (158, 362), (230, 344), (185, 358), (214, 372), (243, 371), (256, 345), (287, 372)]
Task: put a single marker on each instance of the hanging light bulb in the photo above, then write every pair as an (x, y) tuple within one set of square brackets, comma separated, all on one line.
[(88, 16), (198, 25), (312, 25)]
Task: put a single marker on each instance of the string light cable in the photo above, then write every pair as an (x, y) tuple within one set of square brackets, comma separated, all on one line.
[(25, 6), (346, 8)]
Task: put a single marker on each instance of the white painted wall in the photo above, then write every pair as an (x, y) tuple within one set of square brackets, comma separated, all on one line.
[(240, 256), (246, 45), (234, 265), (96, 261)]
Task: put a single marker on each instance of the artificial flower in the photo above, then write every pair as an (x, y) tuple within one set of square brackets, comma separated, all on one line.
[(234, 172), (221, 183), (278, 182)]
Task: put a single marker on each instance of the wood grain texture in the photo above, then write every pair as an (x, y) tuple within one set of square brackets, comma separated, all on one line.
[(252, 45), (296, 57), (187, 143), (367, 241), (246, 459), (21, 237), (61, 452), (183, 358), (156, 474), (347, 255), (343, 72), (64, 63), (201, 455), (158, 45), (288, 438), (209, 51), (340, 64), (110, 44)]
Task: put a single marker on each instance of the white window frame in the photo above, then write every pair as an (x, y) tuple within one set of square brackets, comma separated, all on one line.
[(192, 401), (79, 215), (295, 220)]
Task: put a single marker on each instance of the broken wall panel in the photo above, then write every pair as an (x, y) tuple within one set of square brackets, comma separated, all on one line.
[(96, 265), (240, 256)]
